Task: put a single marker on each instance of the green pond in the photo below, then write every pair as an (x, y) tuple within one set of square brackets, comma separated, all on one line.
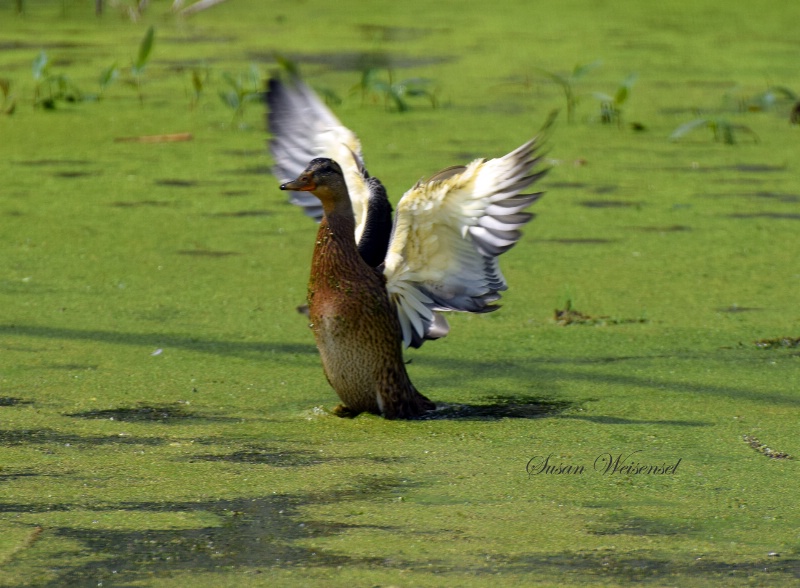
[(164, 418)]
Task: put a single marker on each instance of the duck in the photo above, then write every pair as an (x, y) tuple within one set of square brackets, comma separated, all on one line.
[(366, 300)]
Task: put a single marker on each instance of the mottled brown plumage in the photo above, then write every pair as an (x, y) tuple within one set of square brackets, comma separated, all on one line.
[(355, 324)]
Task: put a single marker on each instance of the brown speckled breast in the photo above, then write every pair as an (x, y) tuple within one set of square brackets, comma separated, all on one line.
[(357, 330)]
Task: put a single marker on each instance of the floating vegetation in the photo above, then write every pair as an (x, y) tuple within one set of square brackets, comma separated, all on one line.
[(570, 316), (763, 449), (778, 343)]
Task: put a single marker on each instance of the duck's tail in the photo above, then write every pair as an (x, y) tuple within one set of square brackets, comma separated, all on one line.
[(408, 404)]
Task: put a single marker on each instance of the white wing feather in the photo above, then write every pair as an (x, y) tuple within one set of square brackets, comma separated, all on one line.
[(448, 233), (302, 129)]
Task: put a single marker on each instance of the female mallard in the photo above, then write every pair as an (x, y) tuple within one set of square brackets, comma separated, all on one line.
[(442, 256)]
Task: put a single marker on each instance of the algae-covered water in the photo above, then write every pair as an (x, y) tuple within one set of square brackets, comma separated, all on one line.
[(163, 413)]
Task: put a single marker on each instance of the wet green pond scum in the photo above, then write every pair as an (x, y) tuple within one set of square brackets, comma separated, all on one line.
[(629, 416)]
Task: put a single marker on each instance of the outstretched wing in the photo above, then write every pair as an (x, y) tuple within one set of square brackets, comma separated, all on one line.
[(448, 233), (302, 129)]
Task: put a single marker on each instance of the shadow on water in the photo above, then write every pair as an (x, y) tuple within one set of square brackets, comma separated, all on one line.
[(358, 60), (257, 533), (545, 370), (280, 457), (577, 241), (163, 340), (166, 414), (632, 567), (622, 524), (610, 420), (271, 456), (13, 401), (10, 437), (499, 407), (765, 214), (610, 204)]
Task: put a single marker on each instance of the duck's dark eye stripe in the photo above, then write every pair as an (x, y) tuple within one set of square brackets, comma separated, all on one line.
[(334, 168)]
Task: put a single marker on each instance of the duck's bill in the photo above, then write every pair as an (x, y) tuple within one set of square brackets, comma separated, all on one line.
[(301, 184)]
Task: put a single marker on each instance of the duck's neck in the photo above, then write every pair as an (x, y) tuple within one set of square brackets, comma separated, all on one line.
[(340, 224), (336, 243)]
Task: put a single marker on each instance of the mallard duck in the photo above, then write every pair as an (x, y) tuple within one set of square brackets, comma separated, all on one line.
[(441, 255)]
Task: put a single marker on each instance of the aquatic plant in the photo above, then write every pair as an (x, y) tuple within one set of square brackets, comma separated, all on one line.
[(243, 88), (723, 129), (138, 67), (51, 88), (771, 97), (567, 83), (9, 102), (611, 106), (200, 77), (395, 93), (107, 77)]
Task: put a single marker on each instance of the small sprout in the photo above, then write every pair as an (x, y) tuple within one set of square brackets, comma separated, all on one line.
[(145, 47), (331, 98), (395, 93), (770, 98), (50, 88), (567, 84), (107, 77), (243, 88), (286, 64), (199, 80), (794, 118), (40, 66), (611, 107), (9, 102), (138, 67)]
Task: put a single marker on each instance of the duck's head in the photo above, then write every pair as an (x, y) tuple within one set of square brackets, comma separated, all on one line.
[(324, 179)]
